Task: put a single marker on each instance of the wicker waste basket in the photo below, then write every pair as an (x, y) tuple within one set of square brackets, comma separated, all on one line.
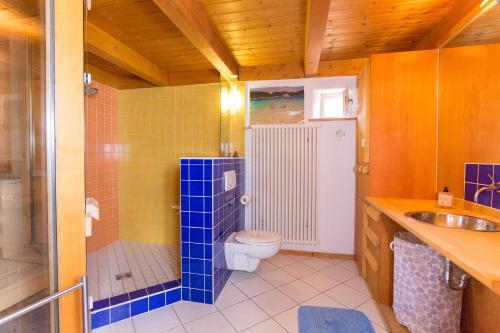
[(423, 302)]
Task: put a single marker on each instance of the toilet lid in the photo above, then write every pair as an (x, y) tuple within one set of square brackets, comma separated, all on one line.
[(257, 237)]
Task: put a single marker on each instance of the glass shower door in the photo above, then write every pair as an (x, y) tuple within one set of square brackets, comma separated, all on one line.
[(26, 238)]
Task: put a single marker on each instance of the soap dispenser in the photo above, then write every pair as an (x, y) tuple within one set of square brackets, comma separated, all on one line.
[(445, 198)]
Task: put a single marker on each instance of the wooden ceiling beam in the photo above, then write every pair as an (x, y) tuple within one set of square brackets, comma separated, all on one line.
[(317, 18), (194, 23), (109, 48), (463, 14)]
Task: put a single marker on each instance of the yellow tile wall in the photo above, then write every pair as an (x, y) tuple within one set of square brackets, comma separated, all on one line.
[(157, 126)]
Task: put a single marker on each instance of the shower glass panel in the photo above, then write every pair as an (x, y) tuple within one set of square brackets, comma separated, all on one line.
[(26, 245)]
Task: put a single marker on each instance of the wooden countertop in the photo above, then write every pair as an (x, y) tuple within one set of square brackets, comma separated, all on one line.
[(478, 253)]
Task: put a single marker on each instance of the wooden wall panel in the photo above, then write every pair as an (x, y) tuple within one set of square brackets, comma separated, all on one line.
[(469, 111), (403, 128), (70, 125), (480, 309), (5, 116)]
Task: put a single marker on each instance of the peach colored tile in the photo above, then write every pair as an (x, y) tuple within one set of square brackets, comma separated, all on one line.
[(101, 165)]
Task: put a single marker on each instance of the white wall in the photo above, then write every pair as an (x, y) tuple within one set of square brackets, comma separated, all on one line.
[(336, 159), (336, 188)]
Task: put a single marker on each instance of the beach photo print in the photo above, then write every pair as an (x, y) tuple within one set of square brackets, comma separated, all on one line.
[(276, 105)]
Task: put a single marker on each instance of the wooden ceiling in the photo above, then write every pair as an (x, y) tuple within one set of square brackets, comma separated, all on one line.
[(142, 26), (261, 32), (167, 42), (484, 30), (358, 28)]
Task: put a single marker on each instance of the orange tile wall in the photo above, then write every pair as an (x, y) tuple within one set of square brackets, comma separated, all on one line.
[(101, 163)]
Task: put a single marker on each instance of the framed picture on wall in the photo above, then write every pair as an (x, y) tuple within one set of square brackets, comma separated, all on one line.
[(276, 105)]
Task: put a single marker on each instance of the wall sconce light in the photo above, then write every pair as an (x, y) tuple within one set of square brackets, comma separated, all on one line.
[(224, 100), (234, 100), (231, 99)]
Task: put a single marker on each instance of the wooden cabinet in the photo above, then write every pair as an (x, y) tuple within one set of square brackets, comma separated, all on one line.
[(378, 259)]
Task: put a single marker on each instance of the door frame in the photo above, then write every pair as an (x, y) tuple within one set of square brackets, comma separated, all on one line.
[(68, 206)]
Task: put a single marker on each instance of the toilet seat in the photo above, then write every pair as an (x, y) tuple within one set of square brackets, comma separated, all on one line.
[(257, 237), (244, 250)]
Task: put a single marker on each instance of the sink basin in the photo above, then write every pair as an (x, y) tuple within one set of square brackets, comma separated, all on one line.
[(456, 221)]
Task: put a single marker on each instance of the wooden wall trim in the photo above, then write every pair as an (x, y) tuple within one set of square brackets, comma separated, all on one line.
[(345, 67), (317, 18), (328, 68), (194, 23), (193, 77), (114, 81), (463, 14), (272, 72), (109, 48), (317, 254), (70, 191), (175, 78)]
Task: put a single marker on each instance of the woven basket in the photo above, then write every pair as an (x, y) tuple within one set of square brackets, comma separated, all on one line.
[(423, 302)]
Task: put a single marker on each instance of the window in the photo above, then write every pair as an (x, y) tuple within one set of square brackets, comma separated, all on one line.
[(334, 104)]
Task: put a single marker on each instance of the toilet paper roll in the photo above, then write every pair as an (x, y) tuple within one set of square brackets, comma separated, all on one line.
[(245, 199)]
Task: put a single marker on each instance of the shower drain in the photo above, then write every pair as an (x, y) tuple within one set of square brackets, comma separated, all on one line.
[(123, 276)]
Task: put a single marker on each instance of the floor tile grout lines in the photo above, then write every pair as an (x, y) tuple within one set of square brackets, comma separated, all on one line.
[(297, 304)]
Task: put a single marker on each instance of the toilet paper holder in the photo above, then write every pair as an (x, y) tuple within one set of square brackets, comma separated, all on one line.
[(245, 199)]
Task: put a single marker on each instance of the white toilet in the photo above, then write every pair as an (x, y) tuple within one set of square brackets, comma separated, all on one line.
[(244, 249)]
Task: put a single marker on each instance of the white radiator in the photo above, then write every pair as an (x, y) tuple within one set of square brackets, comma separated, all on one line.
[(284, 179)]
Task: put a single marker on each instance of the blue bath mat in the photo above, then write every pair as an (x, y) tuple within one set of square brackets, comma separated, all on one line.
[(315, 319)]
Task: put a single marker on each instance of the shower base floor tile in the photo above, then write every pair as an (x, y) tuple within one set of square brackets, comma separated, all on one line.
[(257, 310), (125, 266)]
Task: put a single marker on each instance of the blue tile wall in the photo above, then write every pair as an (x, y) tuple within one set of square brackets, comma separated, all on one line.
[(208, 216), (228, 216), (476, 176), (131, 304)]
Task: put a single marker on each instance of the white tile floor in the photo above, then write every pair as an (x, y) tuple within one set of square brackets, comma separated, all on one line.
[(266, 301), (149, 264)]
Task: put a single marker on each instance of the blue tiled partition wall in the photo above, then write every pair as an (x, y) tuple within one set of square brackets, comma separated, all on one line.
[(477, 176), (208, 216)]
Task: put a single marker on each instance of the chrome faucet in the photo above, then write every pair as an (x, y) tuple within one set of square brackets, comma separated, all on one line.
[(492, 187)]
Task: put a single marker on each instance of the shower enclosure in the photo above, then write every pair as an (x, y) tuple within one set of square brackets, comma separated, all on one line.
[(134, 141), (26, 231)]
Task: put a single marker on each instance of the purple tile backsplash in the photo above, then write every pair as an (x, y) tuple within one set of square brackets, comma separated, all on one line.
[(478, 175)]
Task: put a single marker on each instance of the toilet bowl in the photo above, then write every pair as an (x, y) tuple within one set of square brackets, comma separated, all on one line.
[(244, 249)]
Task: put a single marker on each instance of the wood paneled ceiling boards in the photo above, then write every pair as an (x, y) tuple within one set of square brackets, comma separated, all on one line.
[(144, 43)]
